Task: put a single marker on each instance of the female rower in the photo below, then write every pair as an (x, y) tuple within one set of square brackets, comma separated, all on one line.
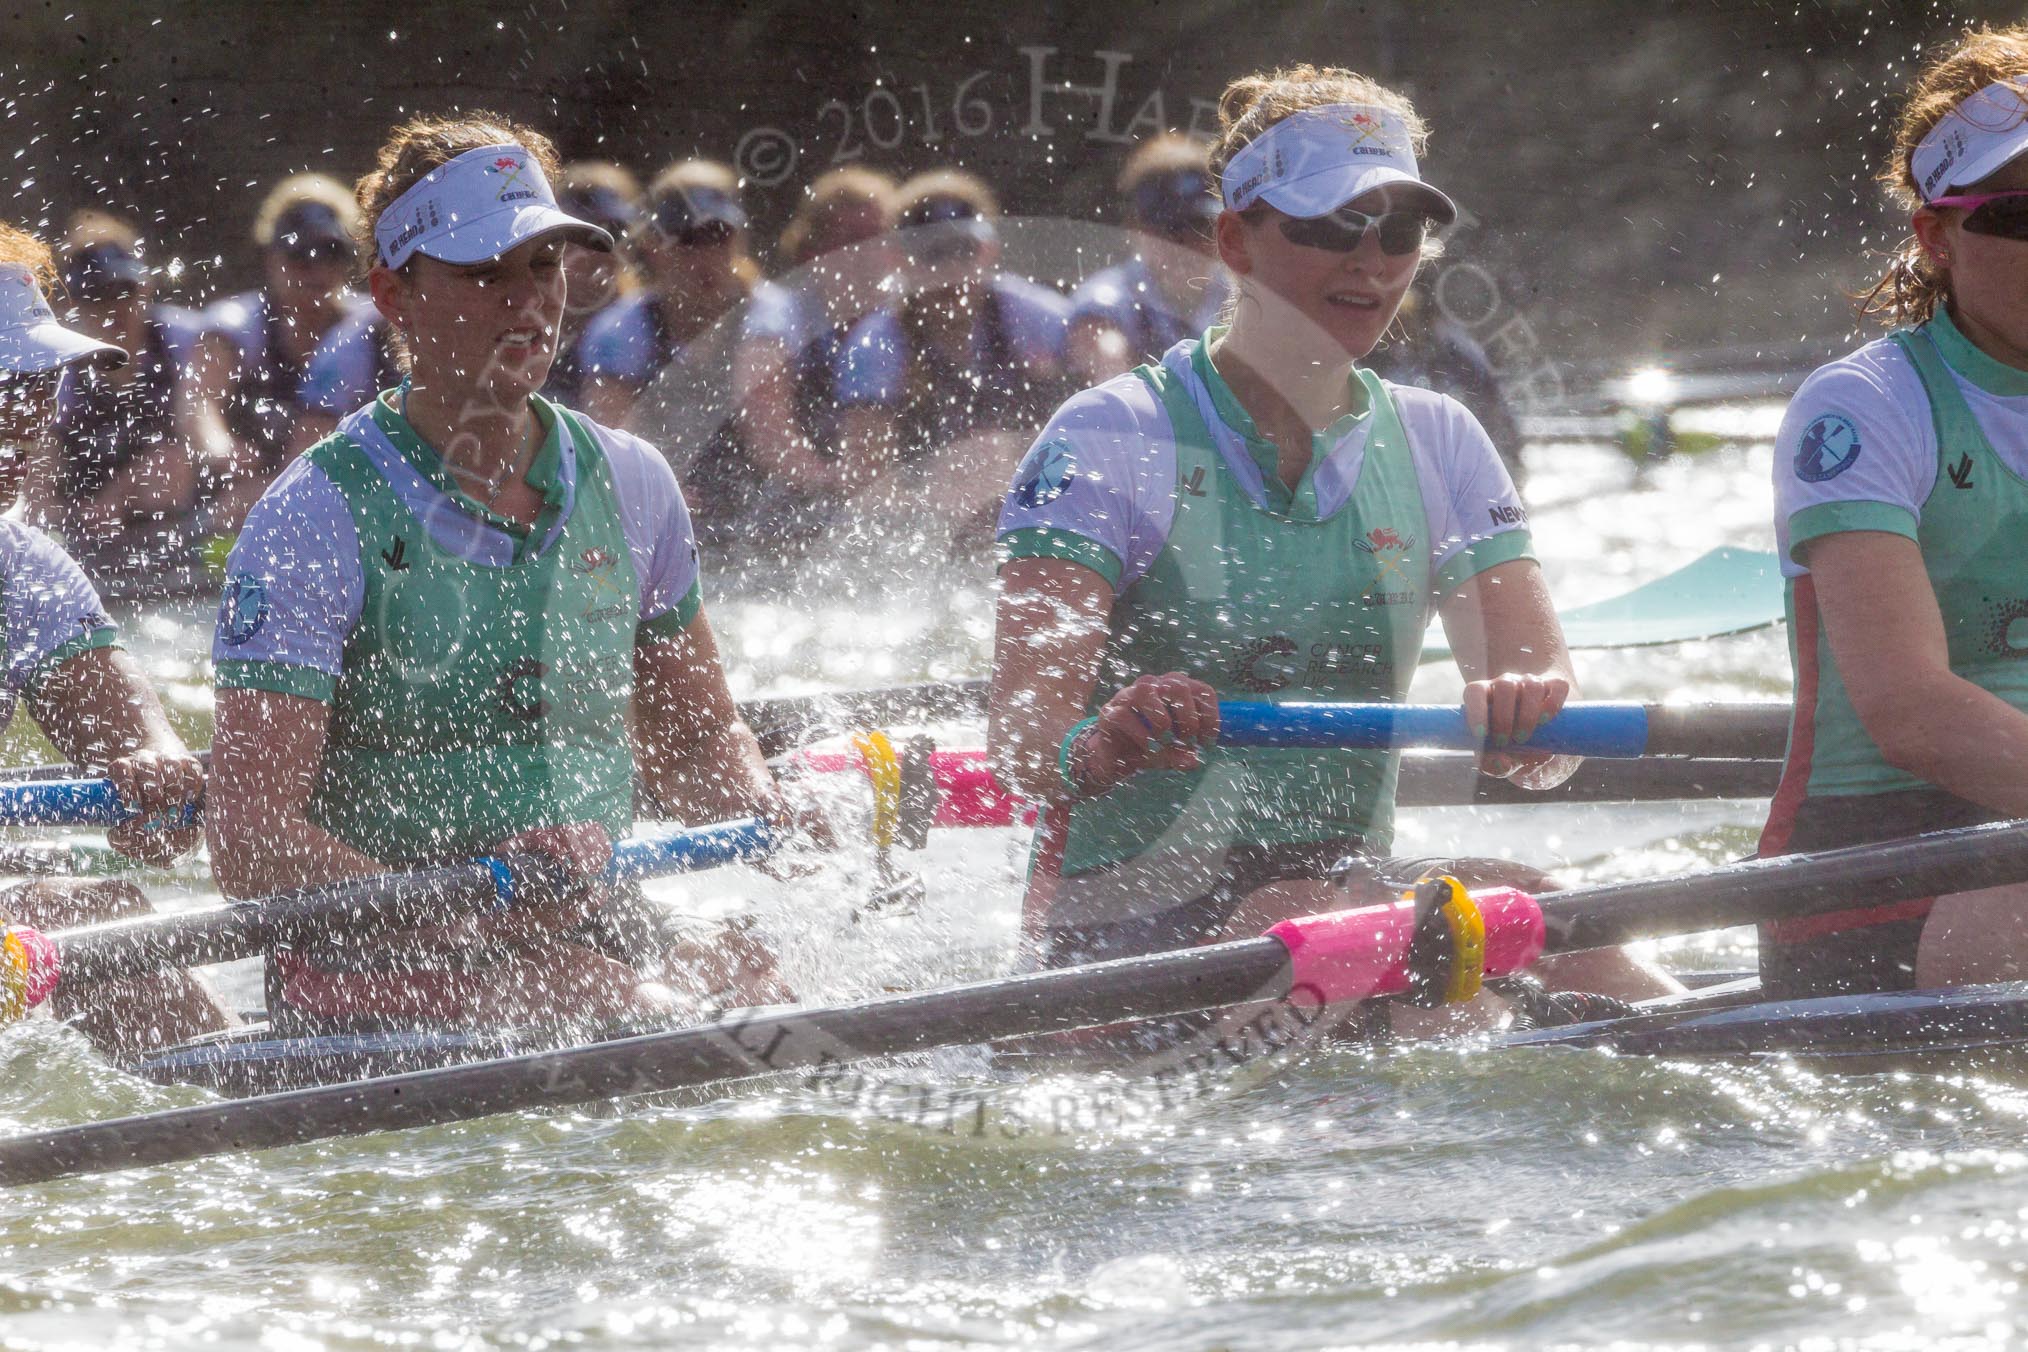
[(247, 377), (88, 697), (689, 333), (1256, 516), (1900, 510), (940, 392), (442, 623)]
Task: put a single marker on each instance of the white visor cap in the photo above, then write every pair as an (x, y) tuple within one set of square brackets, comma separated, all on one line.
[(1316, 161), (476, 207), (30, 338), (1981, 136)]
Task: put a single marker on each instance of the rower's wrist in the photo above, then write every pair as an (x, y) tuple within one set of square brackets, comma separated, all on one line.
[(1073, 757)]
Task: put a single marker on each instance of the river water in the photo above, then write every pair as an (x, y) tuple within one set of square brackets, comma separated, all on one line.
[(1434, 1196)]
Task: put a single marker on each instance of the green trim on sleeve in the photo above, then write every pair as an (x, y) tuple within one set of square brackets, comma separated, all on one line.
[(1049, 542), (1834, 518), (105, 636), (282, 678), (1477, 557), (675, 620)]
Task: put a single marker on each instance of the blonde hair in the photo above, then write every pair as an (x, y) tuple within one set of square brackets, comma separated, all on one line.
[(297, 189), (590, 176), (425, 143), (953, 183), (91, 227), (808, 233), (683, 175), (20, 249), (1912, 286), (1164, 154)]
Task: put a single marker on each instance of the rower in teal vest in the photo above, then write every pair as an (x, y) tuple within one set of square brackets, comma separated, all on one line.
[(1901, 510), (448, 628), (1256, 517)]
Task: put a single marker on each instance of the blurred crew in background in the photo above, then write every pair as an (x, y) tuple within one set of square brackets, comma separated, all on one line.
[(119, 482), (62, 661), (835, 254), (946, 388), (609, 196), (697, 255), (1172, 288), (354, 361), (1426, 347), (246, 385)]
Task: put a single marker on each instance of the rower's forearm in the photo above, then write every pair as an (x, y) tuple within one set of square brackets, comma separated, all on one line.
[(721, 776), (254, 857), (1957, 736), (1028, 761)]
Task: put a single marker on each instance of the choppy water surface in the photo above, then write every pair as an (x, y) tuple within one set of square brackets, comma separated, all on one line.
[(1334, 1198)]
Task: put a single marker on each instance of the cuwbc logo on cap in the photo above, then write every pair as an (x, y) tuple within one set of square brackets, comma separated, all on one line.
[(512, 169), (1366, 125)]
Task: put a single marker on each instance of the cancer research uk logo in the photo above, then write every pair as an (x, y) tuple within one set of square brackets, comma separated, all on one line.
[(1829, 447), (1048, 470), (244, 608)]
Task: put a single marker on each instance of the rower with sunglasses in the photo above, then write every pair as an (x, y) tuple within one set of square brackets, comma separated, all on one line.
[(940, 393), (245, 387), (689, 333), (1256, 516), (1901, 509)]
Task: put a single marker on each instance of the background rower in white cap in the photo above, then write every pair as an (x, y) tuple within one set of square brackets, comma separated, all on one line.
[(1255, 516), (89, 698)]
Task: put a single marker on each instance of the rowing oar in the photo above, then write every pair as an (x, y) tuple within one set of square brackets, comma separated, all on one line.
[(1340, 957), (1584, 729), (426, 896)]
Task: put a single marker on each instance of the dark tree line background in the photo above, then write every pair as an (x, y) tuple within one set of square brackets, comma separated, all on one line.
[(1647, 178)]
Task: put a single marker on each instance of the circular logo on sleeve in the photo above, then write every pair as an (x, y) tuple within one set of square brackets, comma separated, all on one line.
[(244, 608), (1829, 446), (1048, 470)]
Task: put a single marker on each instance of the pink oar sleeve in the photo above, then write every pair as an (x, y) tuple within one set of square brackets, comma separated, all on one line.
[(33, 956), (1355, 955)]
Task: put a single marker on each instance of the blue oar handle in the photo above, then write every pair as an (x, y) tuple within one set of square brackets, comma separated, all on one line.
[(72, 802), (698, 847), (637, 857), (1593, 729)]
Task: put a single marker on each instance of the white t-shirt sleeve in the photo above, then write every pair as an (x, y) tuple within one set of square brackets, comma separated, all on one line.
[(659, 534), (53, 613), (1098, 485), (294, 590), (1856, 451), (1476, 516)]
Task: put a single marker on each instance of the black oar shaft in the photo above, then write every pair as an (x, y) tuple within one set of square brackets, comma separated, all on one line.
[(1720, 731), (1787, 887), (242, 929), (1151, 987)]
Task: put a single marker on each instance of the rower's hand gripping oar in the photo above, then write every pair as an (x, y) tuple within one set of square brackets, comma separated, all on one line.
[(33, 963)]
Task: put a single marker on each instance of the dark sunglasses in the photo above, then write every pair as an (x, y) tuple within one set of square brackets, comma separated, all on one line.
[(2001, 214), (1401, 232)]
